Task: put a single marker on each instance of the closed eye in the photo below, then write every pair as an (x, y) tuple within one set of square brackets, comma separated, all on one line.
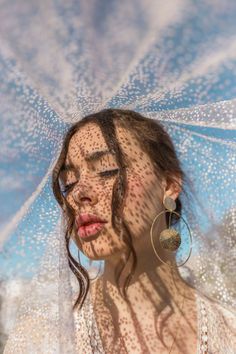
[(68, 187), (109, 173)]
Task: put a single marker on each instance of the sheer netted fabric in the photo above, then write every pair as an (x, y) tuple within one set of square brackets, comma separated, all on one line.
[(60, 60), (216, 329)]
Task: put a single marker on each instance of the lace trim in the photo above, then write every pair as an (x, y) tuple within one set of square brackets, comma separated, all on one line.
[(202, 320)]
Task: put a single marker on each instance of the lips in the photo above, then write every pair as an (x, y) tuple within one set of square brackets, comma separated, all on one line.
[(89, 225)]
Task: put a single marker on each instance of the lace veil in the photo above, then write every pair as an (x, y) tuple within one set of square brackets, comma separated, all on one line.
[(60, 60)]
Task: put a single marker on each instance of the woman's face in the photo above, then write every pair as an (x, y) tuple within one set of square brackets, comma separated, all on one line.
[(91, 172)]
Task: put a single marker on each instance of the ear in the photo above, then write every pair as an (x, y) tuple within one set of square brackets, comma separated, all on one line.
[(172, 187)]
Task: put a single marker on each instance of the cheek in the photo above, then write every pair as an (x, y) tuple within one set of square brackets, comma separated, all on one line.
[(142, 202)]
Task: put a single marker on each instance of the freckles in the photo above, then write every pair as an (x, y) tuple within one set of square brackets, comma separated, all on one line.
[(138, 191), (135, 187), (147, 173)]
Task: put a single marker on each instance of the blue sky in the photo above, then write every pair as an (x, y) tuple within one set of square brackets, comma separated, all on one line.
[(31, 132)]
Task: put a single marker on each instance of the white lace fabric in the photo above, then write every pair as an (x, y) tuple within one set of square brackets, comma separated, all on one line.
[(216, 331), (216, 328)]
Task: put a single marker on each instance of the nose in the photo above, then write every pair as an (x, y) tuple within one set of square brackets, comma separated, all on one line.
[(84, 194)]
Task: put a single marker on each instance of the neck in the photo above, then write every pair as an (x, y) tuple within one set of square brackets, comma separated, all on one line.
[(156, 278)]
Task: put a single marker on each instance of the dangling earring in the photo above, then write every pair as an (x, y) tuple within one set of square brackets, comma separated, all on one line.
[(170, 239)]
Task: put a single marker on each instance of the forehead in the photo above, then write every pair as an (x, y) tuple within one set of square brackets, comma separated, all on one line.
[(89, 138)]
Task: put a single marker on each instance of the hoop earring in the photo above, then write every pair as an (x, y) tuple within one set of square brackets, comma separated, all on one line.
[(170, 239), (99, 270)]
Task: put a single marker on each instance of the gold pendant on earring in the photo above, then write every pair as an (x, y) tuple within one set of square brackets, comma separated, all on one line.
[(170, 239)]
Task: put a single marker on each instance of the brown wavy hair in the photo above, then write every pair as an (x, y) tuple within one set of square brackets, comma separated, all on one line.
[(155, 141)]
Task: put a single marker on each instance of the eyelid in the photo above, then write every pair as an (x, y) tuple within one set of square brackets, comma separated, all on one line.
[(114, 170), (69, 185)]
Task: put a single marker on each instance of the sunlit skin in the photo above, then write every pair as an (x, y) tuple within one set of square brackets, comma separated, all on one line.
[(91, 192)]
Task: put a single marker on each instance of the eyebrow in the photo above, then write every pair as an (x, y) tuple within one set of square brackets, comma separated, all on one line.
[(96, 155)]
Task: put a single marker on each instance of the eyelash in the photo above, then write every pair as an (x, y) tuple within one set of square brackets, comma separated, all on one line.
[(108, 173)]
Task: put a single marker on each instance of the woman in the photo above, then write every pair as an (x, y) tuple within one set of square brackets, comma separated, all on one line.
[(116, 174)]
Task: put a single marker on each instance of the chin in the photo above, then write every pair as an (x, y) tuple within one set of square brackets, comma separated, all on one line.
[(104, 255)]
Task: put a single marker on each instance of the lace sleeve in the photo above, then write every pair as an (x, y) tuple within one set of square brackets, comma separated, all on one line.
[(229, 319), (221, 324), (87, 334)]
